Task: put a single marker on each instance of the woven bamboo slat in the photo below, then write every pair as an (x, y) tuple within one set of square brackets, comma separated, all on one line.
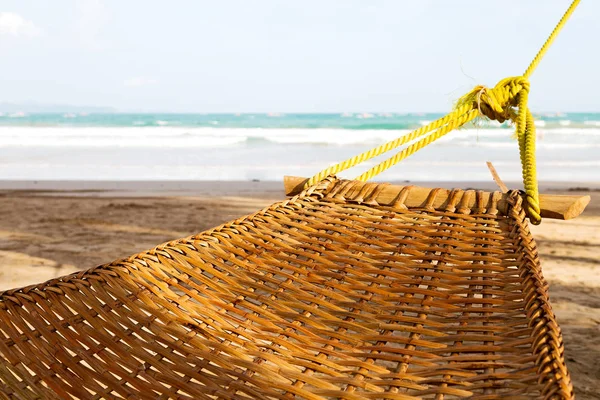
[(328, 294)]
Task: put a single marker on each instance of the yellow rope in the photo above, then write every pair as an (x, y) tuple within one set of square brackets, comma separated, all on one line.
[(454, 123), (553, 35), (367, 155), (498, 103), (506, 101)]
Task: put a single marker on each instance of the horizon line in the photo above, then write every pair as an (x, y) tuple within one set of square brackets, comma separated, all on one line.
[(272, 113)]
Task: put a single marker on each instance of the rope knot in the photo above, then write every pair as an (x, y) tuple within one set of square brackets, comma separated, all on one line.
[(507, 101), (499, 103)]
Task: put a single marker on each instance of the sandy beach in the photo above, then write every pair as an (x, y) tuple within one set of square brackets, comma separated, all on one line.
[(48, 229)]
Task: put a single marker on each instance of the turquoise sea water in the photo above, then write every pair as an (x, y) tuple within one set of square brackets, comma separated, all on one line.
[(354, 121), (269, 146)]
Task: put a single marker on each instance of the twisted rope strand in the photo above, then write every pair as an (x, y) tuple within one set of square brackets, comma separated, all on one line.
[(374, 152), (544, 49), (413, 148)]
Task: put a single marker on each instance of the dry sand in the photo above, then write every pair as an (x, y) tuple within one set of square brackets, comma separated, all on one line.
[(51, 229)]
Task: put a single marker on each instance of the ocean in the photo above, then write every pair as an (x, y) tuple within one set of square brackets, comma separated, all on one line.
[(232, 147)]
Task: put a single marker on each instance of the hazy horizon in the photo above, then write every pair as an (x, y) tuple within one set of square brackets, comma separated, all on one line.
[(44, 108)]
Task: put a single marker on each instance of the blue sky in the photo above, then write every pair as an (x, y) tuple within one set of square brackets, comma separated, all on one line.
[(286, 56)]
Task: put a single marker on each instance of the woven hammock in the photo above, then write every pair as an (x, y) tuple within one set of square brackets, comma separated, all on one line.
[(340, 292), (330, 294)]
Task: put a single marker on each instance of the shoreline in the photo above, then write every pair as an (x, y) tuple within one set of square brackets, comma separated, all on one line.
[(255, 185), (251, 189)]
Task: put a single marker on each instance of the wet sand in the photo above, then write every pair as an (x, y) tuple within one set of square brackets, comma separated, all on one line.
[(48, 229)]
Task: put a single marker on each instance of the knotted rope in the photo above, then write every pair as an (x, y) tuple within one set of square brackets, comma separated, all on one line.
[(507, 101)]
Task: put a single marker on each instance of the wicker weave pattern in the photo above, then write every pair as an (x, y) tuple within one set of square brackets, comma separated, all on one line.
[(326, 295)]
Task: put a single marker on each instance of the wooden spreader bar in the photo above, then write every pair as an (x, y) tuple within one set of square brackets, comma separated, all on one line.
[(552, 206)]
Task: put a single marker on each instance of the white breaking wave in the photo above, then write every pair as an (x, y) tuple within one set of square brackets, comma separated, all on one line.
[(185, 137), (111, 137), (459, 163), (167, 136)]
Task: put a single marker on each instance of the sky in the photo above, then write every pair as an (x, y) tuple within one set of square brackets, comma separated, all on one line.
[(292, 55)]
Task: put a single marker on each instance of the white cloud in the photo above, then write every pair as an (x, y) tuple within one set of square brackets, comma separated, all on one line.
[(139, 81), (14, 25)]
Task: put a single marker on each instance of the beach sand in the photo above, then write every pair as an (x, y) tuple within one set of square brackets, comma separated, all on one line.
[(48, 229)]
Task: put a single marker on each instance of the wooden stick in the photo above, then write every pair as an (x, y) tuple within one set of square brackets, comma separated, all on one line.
[(552, 206), (496, 177)]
